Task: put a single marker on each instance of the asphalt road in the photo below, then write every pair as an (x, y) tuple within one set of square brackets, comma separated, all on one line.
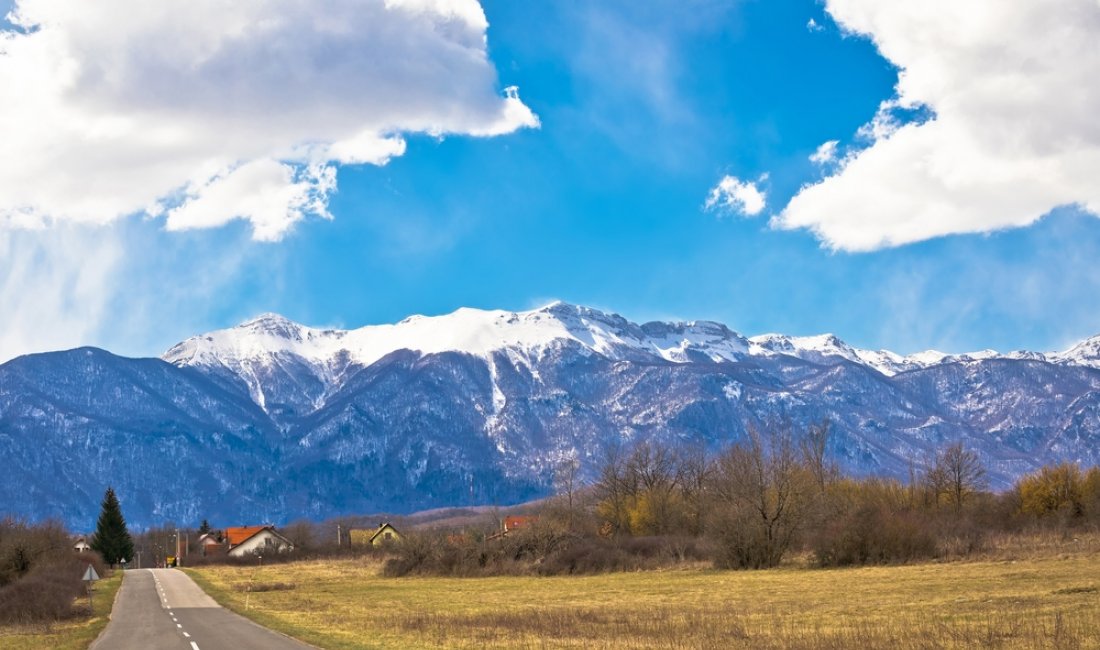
[(165, 609)]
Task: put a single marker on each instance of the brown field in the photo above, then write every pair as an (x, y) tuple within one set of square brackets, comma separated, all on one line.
[(1043, 594), (76, 634)]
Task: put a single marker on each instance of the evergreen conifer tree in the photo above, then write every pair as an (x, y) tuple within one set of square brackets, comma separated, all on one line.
[(204, 528), (111, 539)]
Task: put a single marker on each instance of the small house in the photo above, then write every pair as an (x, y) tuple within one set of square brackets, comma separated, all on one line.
[(255, 540), (82, 545), (211, 544), (514, 522), (384, 534)]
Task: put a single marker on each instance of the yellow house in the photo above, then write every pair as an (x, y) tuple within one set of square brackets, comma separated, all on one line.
[(384, 534)]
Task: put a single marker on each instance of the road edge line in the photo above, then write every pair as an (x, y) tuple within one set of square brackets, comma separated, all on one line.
[(110, 614)]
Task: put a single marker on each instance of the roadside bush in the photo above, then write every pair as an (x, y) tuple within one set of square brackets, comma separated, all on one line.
[(23, 545), (48, 590)]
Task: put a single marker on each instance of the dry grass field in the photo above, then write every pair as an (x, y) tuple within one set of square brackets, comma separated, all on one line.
[(68, 635), (1040, 595)]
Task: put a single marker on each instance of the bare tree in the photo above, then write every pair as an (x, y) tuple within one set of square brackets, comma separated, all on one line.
[(762, 492), (642, 493), (657, 508), (955, 475), (965, 473), (814, 447), (696, 471), (614, 488), (300, 533), (567, 485)]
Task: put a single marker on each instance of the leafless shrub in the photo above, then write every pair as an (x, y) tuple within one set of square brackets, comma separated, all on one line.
[(763, 491), (874, 534), (256, 587), (537, 550), (47, 591)]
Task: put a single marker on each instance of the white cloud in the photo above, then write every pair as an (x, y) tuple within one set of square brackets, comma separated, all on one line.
[(825, 154), (813, 26), (209, 111), (737, 196), (52, 289), (274, 194), (1013, 92)]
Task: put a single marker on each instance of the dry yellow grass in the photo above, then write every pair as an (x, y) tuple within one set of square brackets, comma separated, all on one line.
[(1052, 601), (68, 635)]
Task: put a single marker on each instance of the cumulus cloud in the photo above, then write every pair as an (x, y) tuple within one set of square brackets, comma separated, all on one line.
[(206, 111), (734, 195), (1012, 97)]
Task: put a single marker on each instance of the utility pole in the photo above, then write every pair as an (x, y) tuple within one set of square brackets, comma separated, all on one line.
[(339, 536)]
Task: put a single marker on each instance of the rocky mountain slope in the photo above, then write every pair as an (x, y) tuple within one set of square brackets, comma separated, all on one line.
[(272, 420)]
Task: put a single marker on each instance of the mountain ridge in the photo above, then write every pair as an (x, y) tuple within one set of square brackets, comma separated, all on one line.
[(277, 421), (482, 332)]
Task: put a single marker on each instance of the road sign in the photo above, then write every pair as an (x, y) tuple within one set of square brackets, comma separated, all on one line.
[(90, 574)]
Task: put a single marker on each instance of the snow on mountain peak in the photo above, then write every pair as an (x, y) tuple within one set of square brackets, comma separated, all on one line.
[(273, 325), (266, 339), (472, 331), (817, 348), (1085, 353)]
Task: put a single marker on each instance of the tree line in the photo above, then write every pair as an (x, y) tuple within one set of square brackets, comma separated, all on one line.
[(777, 491), (755, 503)]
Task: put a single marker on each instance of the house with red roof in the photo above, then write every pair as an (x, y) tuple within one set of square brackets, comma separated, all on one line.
[(255, 540), (514, 522)]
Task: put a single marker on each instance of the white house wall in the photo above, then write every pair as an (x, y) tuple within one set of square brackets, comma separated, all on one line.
[(262, 542)]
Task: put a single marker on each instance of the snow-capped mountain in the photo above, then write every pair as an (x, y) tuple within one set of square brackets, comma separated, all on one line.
[(472, 331), (287, 368), (260, 352), (1085, 353), (272, 420)]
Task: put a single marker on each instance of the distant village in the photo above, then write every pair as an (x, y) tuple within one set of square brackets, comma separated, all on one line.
[(258, 541)]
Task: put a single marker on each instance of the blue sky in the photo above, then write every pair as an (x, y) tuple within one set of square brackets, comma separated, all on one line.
[(641, 112)]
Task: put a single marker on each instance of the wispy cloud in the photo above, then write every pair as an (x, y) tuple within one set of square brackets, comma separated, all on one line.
[(55, 290)]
